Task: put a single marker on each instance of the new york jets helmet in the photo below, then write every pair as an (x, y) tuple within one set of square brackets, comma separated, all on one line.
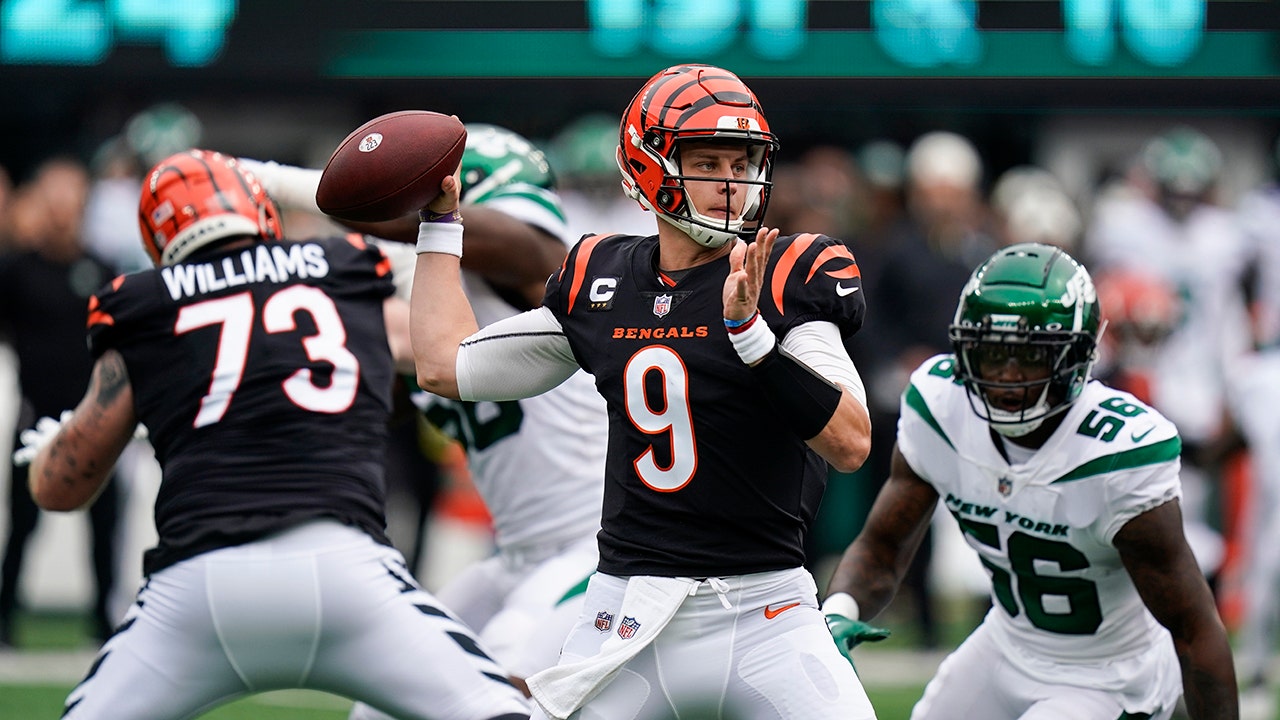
[(496, 159), (1034, 306)]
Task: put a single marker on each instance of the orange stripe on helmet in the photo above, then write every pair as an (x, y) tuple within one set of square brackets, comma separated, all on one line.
[(786, 263), (580, 267)]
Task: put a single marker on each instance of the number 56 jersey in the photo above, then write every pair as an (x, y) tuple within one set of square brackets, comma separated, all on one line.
[(1043, 528), (263, 375)]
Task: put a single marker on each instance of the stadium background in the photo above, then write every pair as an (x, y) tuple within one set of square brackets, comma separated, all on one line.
[(1072, 85)]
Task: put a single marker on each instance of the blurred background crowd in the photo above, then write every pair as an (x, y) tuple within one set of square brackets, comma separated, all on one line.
[(1170, 200)]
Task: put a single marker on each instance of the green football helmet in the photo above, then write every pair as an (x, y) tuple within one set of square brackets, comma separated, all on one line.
[(496, 159), (1025, 336), (1183, 161)]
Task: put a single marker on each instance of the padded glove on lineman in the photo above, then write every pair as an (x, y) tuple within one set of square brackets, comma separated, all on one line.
[(849, 634), (42, 434), (37, 437)]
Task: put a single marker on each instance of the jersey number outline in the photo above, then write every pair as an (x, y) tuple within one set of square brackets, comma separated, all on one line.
[(1107, 427), (234, 316), (477, 425), (1025, 553), (671, 415)]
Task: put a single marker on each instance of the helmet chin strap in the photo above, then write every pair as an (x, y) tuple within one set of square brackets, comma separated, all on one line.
[(1012, 429), (1008, 424), (705, 236)]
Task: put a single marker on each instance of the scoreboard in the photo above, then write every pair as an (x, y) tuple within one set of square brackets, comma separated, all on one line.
[(315, 39)]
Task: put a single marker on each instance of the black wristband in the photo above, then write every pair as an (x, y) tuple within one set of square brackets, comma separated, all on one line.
[(805, 399)]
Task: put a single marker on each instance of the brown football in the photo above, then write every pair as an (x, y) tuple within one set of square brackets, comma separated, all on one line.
[(391, 165)]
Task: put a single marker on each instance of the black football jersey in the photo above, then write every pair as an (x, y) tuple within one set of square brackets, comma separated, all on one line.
[(264, 377), (703, 477)]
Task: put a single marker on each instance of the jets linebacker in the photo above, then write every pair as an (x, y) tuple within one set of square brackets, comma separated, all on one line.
[(1068, 490)]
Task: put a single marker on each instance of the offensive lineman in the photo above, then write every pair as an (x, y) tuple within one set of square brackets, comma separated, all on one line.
[(729, 391), (262, 370), (537, 462), (1068, 490)]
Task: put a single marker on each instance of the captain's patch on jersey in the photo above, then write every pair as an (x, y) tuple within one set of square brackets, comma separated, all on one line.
[(600, 296)]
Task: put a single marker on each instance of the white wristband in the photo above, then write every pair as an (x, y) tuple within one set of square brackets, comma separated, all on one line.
[(435, 237), (755, 342), (841, 604)]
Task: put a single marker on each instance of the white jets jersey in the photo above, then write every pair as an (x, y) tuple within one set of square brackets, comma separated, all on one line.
[(538, 463), (1043, 528), (1254, 394), (1260, 216), (1204, 258)]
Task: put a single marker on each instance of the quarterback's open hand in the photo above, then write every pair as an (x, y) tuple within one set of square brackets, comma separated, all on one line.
[(849, 634), (747, 264)]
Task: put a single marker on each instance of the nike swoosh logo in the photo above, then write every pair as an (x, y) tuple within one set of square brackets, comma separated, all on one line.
[(770, 613), (842, 290), (1138, 438)]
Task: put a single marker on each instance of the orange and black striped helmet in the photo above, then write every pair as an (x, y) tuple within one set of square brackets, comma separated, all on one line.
[(196, 197), (694, 102)]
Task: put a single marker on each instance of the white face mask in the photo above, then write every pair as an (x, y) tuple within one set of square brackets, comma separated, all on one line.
[(1017, 424)]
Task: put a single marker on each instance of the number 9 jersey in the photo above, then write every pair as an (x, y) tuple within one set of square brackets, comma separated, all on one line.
[(262, 373), (704, 478)]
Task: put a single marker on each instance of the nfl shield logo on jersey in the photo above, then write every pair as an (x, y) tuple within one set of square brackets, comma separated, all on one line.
[(628, 628), (1005, 486), (604, 621), (662, 305)]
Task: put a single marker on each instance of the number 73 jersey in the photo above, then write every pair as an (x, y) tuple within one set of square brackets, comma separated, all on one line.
[(264, 376), (1043, 528)]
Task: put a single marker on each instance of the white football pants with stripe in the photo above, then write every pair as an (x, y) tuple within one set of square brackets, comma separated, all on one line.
[(321, 606)]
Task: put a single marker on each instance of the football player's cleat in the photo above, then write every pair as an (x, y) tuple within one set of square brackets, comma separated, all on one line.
[(495, 159), (694, 102), (1035, 306), (197, 197)]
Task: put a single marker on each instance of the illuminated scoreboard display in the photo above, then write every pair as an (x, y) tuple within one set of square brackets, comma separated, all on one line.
[(628, 38)]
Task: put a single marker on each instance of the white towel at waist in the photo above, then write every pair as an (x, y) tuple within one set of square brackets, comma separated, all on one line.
[(649, 601)]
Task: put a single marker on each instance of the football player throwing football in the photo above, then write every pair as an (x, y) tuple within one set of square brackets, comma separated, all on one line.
[(719, 349)]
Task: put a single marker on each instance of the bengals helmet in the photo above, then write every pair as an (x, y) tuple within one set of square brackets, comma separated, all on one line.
[(1032, 305), (198, 197), (694, 102)]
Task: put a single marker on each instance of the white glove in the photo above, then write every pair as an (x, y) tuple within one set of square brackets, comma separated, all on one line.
[(36, 438), (293, 188), (45, 430)]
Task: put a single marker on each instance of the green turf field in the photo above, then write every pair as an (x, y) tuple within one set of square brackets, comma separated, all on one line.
[(52, 632)]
